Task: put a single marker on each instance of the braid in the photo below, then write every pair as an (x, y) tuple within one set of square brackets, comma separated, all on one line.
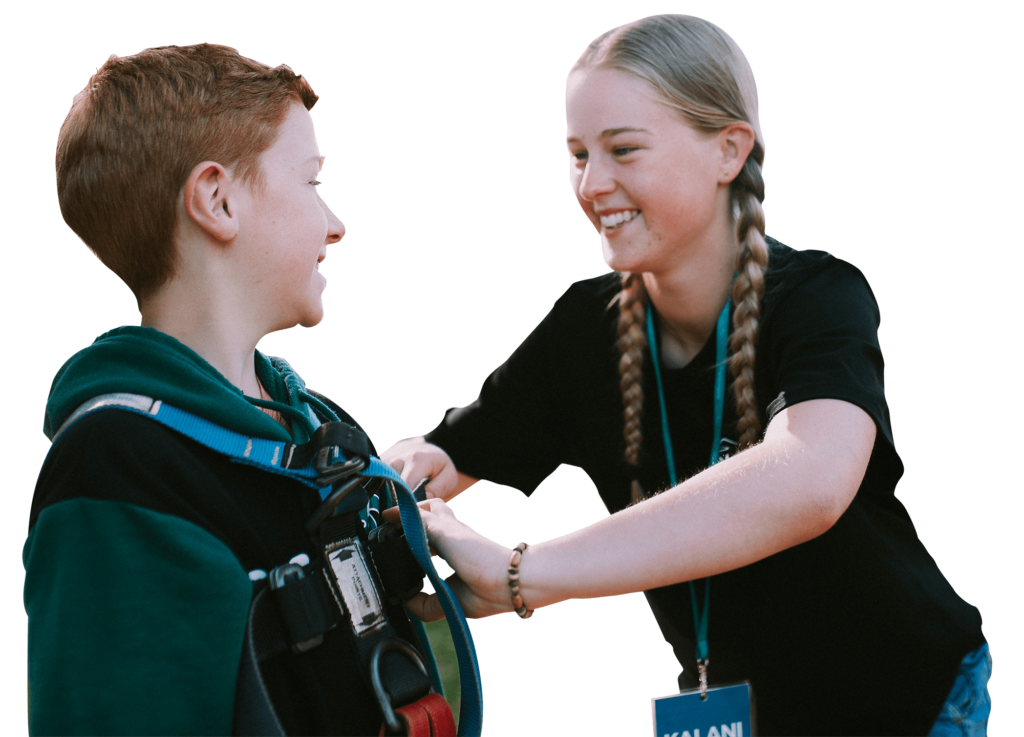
[(747, 191), (631, 343)]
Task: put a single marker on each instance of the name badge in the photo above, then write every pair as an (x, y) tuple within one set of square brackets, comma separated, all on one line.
[(725, 713)]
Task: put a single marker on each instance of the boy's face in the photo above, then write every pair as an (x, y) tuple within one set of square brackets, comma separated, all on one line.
[(287, 228)]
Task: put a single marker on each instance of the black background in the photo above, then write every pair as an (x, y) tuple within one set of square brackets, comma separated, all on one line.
[(445, 161)]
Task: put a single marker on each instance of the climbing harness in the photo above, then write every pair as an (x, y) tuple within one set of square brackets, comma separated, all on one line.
[(358, 571)]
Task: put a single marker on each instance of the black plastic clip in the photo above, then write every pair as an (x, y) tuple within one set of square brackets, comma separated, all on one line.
[(328, 505), (400, 574), (307, 612)]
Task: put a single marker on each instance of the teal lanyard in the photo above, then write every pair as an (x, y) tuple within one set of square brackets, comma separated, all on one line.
[(700, 620)]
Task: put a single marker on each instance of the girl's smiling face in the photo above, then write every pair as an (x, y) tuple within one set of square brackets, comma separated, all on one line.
[(652, 185)]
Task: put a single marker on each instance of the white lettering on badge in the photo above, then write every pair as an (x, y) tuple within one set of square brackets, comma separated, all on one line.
[(734, 729), (356, 585)]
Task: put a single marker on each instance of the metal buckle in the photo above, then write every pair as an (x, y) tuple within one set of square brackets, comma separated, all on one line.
[(391, 643)]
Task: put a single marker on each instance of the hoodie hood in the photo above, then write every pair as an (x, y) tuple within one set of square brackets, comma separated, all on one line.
[(140, 360)]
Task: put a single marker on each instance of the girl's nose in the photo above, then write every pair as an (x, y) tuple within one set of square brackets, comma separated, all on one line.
[(596, 181)]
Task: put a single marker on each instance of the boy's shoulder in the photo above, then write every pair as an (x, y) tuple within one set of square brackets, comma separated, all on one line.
[(121, 457)]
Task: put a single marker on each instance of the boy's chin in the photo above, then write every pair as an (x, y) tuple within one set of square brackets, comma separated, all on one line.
[(313, 318), (311, 321)]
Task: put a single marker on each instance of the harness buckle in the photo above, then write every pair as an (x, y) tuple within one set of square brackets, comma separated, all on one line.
[(328, 505), (388, 645), (328, 471)]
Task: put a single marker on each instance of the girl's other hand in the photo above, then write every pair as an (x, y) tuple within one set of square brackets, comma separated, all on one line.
[(416, 459), (481, 565)]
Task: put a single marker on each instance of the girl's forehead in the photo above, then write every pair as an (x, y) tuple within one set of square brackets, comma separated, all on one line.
[(599, 98)]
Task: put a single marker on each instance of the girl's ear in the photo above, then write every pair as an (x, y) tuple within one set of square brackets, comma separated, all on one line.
[(209, 201), (737, 140)]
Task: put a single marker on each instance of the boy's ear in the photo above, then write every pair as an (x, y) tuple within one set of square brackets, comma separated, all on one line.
[(209, 200)]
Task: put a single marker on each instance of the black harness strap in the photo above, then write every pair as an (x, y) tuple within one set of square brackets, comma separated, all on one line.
[(368, 626), (254, 712)]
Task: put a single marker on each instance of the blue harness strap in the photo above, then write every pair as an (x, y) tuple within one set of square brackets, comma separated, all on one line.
[(275, 456)]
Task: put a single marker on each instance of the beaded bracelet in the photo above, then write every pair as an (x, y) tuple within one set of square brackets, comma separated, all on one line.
[(513, 581)]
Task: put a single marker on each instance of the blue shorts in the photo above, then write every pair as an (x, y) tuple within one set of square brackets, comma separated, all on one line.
[(965, 713)]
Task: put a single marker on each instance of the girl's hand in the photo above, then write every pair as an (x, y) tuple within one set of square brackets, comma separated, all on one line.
[(416, 459), (481, 565)]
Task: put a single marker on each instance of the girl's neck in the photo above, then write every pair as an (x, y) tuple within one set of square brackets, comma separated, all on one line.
[(689, 299)]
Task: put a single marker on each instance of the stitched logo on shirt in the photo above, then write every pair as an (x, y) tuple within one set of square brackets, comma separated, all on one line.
[(776, 405)]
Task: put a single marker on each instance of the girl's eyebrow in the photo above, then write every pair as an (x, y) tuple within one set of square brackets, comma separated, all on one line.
[(611, 132)]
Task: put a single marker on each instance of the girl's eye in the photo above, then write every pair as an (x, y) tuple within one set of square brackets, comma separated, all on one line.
[(617, 150), (315, 183)]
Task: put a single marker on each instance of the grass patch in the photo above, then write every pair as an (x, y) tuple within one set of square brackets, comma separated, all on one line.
[(447, 663)]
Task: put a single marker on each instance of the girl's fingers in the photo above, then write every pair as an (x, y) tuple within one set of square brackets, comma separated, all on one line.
[(430, 506), (426, 607), (432, 511)]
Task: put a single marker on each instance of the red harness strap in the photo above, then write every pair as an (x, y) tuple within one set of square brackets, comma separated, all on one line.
[(431, 716)]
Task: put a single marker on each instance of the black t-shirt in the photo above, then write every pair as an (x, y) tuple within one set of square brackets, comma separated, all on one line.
[(854, 632)]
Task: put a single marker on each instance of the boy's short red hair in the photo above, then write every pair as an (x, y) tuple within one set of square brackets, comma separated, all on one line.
[(139, 128)]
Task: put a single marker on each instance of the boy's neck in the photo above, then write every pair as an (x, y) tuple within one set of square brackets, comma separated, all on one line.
[(210, 326)]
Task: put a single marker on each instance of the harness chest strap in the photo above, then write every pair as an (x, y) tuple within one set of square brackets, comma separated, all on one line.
[(334, 446)]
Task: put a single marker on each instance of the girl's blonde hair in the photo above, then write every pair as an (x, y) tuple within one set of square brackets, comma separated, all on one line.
[(699, 72)]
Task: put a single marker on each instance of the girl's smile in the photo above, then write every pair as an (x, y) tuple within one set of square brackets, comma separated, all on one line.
[(615, 220)]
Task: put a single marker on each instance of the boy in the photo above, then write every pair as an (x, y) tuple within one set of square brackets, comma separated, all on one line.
[(191, 173)]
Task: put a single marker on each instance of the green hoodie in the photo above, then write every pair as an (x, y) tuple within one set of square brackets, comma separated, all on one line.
[(135, 616), (145, 361)]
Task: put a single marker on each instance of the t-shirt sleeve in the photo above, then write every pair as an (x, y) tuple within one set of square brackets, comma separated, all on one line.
[(516, 433), (822, 343), (136, 616)]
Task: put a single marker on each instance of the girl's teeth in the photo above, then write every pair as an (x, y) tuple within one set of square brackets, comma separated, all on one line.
[(618, 219)]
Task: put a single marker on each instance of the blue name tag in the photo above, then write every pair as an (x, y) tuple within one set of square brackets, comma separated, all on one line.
[(726, 713)]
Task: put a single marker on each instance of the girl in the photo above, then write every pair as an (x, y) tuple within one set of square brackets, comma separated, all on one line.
[(761, 522)]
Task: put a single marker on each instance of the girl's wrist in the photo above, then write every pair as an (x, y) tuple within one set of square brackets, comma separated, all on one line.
[(538, 586), (515, 559)]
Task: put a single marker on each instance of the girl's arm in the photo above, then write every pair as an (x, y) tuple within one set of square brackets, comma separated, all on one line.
[(787, 490)]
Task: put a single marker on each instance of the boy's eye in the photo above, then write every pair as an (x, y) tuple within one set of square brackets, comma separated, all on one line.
[(579, 155), (314, 183)]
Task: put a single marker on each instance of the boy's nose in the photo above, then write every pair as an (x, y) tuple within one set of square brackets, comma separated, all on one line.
[(336, 228)]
